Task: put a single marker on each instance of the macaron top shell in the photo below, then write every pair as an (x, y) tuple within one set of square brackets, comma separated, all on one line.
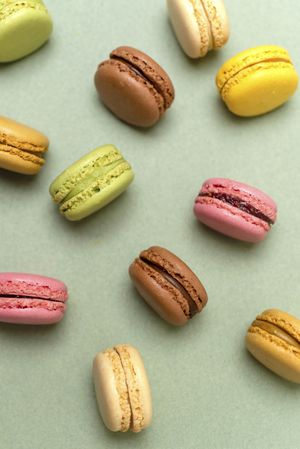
[(258, 199), (22, 136), (32, 285)]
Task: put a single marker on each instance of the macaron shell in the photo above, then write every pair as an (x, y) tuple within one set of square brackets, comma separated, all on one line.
[(138, 387), (155, 291), (30, 311), (194, 41), (20, 162), (24, 284), (22, 136), (23, 30), (231, 221), (271, 351), (111, 391), (141, 104), (260, 88)]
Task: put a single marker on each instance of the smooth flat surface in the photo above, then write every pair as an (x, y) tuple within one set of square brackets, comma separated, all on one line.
[(207, 391)]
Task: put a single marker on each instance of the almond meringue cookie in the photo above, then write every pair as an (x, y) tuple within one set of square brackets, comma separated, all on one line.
[(199, 25)]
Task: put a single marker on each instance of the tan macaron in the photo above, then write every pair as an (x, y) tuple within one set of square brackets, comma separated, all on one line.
[(21, 147), (199, 25), (274, 340), (122, 389)]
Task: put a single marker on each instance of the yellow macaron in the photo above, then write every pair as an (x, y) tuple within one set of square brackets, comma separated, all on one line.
[(257, 80)]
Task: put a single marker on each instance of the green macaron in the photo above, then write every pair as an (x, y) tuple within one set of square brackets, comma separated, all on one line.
[(24, 27), (91, 183)]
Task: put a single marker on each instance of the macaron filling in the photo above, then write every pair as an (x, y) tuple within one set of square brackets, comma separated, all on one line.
[(193, 308), (277, 331), (238, 203)]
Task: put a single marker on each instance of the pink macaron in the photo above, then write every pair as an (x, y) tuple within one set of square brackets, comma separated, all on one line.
[(31, 299), (235, 209)]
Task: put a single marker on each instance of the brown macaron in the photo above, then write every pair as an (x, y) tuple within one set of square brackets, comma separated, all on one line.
[(168, 285), (134, 87)]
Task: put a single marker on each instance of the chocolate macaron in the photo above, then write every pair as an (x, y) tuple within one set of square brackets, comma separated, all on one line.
[(134, 87), (168, 285)]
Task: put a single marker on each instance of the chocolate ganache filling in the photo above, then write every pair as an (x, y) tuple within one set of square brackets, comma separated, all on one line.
[(239, 204), (193, 308)]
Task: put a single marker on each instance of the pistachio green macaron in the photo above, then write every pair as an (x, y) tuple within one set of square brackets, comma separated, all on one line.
[(24, 27), (91, 183)]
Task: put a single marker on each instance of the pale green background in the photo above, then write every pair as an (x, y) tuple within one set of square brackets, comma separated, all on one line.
[(207, 391)]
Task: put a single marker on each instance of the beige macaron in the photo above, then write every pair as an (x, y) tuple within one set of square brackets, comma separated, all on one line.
[(199, 25), (274, 340), (21, 147), (122, 389)]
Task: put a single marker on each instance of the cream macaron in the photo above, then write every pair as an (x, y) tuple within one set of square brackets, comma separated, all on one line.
[(199, 25), (122, 389), (274, 340)]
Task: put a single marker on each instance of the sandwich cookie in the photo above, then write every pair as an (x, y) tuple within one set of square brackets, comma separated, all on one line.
[(257, 80), (235, 209), (274, 340), (21, 148), (31, 299), (122, 389), (199, 25), (168, 285), (24, 27), (91, 183), (134, 87)]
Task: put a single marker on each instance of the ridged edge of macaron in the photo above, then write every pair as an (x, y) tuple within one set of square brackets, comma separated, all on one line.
[(11, 7), (219, 30), (82, 169), (248, 58)]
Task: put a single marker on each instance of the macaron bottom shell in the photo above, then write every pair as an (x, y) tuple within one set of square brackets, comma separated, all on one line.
[(217, 217), (23, 32), (31, 311), (260, 89)]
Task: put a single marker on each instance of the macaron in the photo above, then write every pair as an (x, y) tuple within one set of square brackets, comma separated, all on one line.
[(257, 80), (31, 299), (134, 87), (21, 148), (235, 209), (122, 389), (91, 183), (168, 285), (199, 25), (274, 340), (24, 27)]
